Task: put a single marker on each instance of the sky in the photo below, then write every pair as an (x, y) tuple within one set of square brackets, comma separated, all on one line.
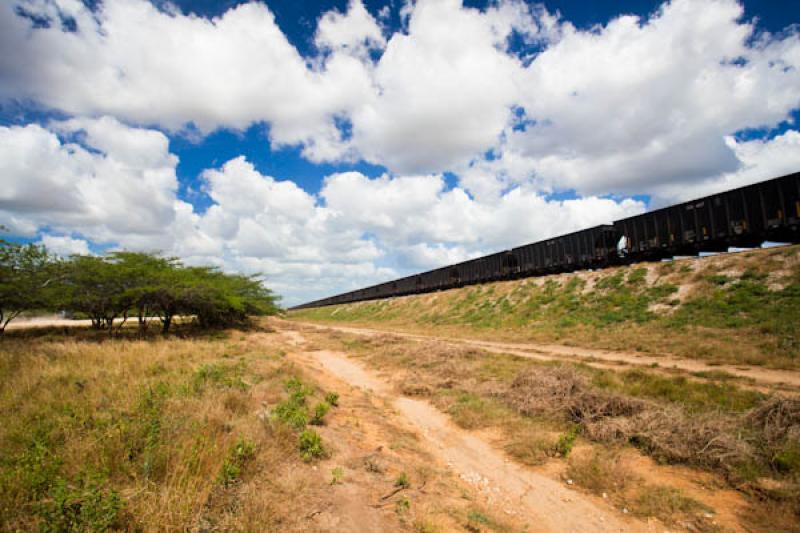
[(335, 144)]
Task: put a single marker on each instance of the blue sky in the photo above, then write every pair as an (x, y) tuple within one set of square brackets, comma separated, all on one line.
[(334, 144)]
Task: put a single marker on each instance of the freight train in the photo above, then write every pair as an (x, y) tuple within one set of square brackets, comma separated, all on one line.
[(743, 217)]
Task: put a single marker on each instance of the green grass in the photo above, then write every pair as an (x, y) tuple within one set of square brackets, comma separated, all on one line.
[(695, 396)]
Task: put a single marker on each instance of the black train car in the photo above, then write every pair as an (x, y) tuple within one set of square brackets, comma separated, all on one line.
[(589, 248), (746, 216)]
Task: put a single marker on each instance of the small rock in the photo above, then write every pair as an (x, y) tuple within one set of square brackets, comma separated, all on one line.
[(569, 482), (708, 515), (624, 510), (605, 496)]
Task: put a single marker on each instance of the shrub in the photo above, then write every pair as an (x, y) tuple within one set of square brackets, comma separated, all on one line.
[(320, 410), (332, 398), (565, 442), (310, 444), (239, 454), (82, 507), (402, 481)]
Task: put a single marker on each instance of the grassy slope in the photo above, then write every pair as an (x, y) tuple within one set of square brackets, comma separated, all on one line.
[(733, 308)]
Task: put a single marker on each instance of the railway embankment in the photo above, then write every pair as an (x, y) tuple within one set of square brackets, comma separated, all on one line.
[(728, 309)]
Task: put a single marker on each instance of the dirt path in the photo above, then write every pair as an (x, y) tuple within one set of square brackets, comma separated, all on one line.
[(533, 499), (594, 357)]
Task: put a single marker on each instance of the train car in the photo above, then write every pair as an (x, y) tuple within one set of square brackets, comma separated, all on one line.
[(746, 216)]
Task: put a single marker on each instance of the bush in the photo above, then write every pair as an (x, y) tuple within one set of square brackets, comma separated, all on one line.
[(332, 398), (85, 507), (239, 454), (320, 411), (311, 446), (565, 442)]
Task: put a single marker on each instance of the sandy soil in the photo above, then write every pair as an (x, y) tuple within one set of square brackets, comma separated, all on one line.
[(45, 322), (532, 500), (595, 357)]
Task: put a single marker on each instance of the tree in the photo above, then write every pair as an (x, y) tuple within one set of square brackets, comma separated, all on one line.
[(27, 272), (146, 278), (96, 287)]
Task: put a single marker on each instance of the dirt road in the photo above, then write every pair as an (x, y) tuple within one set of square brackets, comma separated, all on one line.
[(595, 357), (533, 500)]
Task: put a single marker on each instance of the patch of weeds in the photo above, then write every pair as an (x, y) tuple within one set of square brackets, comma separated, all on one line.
[(565, 442), (478, 522), (613, 281), (36, 470), (293, 410), (530, 448), (337, 475), (787, 461), (320, 410), (84, 506), (696, 396), (664, 503), (470, 411), (637, 276), (146, 430), (240, 453), (718, 279), (310, 445), (218, 375), (402, 481), (403, 505), (600, 471), (332, 398), (753, 275)]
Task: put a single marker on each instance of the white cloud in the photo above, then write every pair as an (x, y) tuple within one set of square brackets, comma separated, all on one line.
[(64, 245), (104, 179), (446, 89), (356, 30), (620, 108), (138, 63), (759, 159), (638, 104)]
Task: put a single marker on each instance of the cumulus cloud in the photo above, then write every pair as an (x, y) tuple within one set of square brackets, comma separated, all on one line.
[(64, 245), (356, 30), (446, 89), (619, 108), (97, 177), (639, 103), (136, 62)]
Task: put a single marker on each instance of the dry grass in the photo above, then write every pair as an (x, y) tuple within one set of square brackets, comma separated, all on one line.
[(739, 435), (146, 435)]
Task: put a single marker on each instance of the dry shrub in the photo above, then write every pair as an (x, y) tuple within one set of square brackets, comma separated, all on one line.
[(777, 419), (414, 384), (667, 433), (546, 391), (670, 435)]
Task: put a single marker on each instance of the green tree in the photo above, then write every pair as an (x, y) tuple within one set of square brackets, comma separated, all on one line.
[(26, 280), (96, 287)]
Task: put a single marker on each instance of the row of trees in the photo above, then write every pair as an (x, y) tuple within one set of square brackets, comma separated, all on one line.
[(125, 285)]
